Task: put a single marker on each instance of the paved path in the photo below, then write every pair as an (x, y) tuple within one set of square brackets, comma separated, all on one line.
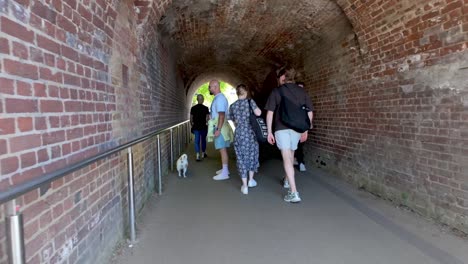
[(201, 221)]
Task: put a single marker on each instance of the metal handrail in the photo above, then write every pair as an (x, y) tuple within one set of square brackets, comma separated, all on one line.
[(14, 220), (23, 188)]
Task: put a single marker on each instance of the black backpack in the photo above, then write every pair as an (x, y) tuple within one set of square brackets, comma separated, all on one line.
[(293, 114)]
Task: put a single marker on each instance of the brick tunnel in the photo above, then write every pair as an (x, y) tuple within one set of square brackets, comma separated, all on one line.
[(388, 80)]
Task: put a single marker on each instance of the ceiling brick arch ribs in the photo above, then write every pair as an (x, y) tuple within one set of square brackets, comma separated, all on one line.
[(249, 37)]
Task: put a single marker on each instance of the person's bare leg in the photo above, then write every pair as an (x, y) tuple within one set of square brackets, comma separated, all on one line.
[(288, 160), (251, 175), (224, 156), (224, 161), (223, 174), (244, 182), (245, 186)]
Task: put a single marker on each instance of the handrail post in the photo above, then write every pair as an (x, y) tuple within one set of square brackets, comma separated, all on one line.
[(172, 152), (15, 235), (178, 139), (159, 166), (187, 132), (131, 201)]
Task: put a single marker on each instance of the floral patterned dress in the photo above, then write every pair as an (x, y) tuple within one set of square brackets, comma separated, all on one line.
[(245, 142)]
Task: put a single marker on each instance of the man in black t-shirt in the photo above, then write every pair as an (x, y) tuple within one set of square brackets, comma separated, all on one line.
[(286, 139), (199, 116)]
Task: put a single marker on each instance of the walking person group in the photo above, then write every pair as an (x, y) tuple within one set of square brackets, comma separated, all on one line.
[(244, 139)]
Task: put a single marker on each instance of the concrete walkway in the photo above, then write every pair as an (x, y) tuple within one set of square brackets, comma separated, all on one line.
[(201, 221)]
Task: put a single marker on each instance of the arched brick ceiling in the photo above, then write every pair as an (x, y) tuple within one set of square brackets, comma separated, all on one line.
[(249, 35)]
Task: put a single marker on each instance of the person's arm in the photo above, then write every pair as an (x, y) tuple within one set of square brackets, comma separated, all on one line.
[(311, 117), (191, 119), (223, 107), (257, 111), (311, 111), (269, 119), (271, 107), (221, 117), (305, 135)]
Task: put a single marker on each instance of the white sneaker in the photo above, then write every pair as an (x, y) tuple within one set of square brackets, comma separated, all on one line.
[(285, 183), (220, 177), (252, 183), (221, 170), (245, 190), (302, 167), (198, 157), (292, 197)]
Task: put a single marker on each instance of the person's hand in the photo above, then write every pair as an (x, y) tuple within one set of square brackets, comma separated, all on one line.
[(271, 138), (304, 137), (217, 133)]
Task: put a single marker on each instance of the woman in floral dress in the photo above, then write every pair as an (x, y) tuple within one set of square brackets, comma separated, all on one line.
[(245, 142)]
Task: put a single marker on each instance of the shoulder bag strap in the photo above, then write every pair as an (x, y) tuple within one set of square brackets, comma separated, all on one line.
[(250, 106), (293, 94)]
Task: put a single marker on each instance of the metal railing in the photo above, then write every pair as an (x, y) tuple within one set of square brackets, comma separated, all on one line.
[(14, 222)]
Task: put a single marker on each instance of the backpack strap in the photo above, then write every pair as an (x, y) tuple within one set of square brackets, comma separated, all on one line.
[(280, 89), (297, 100)]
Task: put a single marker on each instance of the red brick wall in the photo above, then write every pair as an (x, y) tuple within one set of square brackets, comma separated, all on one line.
[(391, 104), (79, 77), (75, 81)]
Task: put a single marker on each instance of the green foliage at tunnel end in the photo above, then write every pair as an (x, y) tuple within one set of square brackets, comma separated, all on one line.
[(226, 89)]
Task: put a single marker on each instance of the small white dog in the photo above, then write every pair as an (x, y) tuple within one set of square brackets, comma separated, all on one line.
[(182, 165)]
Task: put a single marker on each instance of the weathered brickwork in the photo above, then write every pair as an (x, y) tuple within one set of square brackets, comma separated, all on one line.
[(78, 77), (74, 82), (392, 105), (158, 102), (387, 78), (245, 38)]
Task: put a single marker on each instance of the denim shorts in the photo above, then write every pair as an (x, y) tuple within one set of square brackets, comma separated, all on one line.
[(220, 143), (287, 139)]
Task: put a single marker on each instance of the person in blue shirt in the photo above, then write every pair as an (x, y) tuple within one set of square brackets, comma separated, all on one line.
[(219, 110)]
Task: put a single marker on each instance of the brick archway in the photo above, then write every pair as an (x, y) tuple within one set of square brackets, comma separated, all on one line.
[(258, 35)]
